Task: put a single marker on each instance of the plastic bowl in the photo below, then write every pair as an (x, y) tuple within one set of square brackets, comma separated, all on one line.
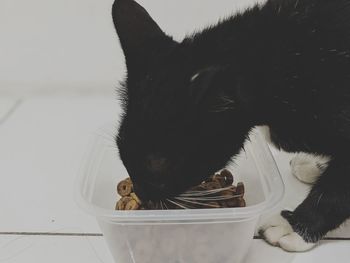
[(178, 236)]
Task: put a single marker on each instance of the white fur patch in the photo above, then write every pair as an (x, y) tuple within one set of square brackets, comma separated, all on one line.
[(278, 232), (265, 130), (307, 167)]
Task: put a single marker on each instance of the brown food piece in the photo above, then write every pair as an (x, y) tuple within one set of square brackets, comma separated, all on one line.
[(125, 188), (120, 205), (128, 180), (230, 191), (212, 186), (123, 202), (132, 205), (228, 176), (214, 205), (223, 204), (240, 189), (233, 202), (134, 196), (241, 202), (219, 179), (228, 195), (210, 179), (200, 187)]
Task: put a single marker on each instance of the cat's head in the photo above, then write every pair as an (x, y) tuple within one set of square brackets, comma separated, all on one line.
[(181, 121)]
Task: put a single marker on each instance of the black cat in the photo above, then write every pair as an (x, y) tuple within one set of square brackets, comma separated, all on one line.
[(189, 106)]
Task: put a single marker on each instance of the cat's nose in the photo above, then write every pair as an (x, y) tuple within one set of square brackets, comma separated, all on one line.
[(156, 164)]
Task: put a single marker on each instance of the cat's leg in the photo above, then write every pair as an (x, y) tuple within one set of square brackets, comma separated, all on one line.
[(278, 232), (308, 167), (326, 207), (305, 167)]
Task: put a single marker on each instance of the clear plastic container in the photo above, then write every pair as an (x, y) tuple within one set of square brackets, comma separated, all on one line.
[(178, 236)]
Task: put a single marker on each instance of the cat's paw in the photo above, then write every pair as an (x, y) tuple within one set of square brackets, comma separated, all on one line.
[(278, 232), (307, 168)]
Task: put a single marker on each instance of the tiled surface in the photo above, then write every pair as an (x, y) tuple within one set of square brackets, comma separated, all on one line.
[(41, 148), (328, 251), (24, 249), (7, 107), (42, 143), (53, 249)]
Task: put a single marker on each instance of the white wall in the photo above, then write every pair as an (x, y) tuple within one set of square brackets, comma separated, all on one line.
[(54, 46)]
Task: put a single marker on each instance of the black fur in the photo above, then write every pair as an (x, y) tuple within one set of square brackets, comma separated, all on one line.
[(285, 64)]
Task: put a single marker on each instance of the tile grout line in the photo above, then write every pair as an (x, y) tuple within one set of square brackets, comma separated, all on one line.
[(50, 234), (101, 235), (326, 238), (10, 112)]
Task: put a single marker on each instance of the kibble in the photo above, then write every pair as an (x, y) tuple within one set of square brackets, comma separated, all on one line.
[(217, 191), (227, 175), (125, 187), (240, 189), (121, 204), (132, 205), (134, 196), (212, 185)]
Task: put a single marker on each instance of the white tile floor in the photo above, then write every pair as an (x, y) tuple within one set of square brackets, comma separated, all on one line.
[(42, 141)]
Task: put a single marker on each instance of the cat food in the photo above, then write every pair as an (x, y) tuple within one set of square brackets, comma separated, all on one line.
[(121, 204), (217, 191), (125, 187)]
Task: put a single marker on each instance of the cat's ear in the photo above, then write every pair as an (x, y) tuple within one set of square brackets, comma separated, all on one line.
[(139, 35)]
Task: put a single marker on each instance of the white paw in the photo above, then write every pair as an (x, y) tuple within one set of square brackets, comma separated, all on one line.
[(278, 232), (307, 167)]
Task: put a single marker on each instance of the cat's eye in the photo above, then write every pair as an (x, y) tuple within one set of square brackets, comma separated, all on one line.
[(194, 77), (201, 82)]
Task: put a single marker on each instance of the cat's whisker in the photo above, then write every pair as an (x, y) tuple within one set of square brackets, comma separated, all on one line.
[(206, 192), (222, 109), (212, 198), (199, 194), (108, 137), (197, 203), (166, 207), (178, 204), (113, 147), (111, 140), (184, 203), (227, 100)]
